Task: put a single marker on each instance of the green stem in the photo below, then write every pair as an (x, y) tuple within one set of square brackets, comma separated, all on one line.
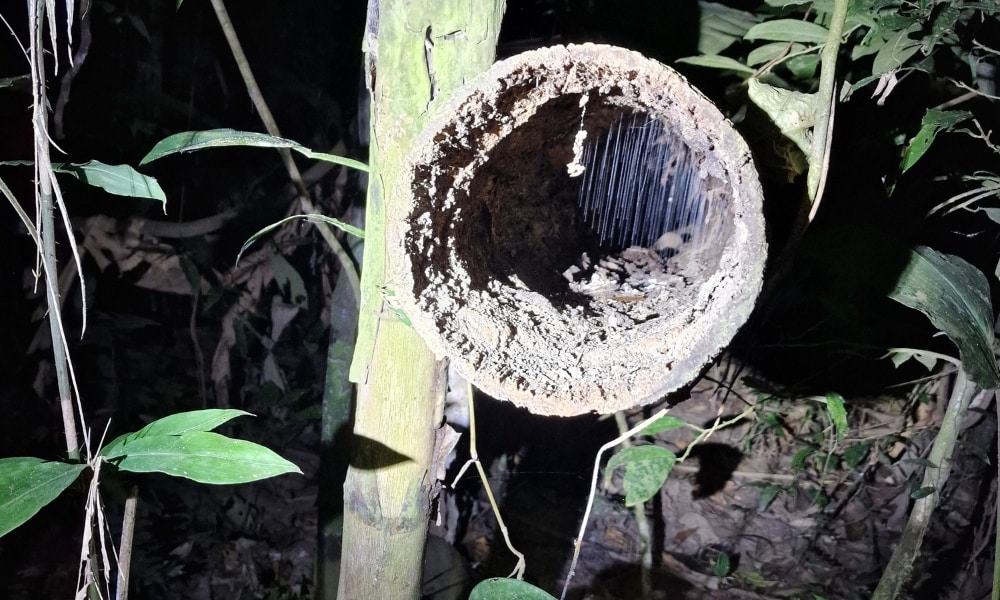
[(822, 129), (897, 572)]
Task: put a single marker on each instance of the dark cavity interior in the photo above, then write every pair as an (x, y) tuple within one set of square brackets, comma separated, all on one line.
[(526, 217)]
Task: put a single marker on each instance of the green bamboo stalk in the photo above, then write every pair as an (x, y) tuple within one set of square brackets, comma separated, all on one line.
[(419, 52)]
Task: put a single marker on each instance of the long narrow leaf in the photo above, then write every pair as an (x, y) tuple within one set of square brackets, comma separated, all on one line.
[(313, 218), (27, 484), (201, 456), (177, 424), (190, 141), (956, 298), (120, 180), (788, 30)]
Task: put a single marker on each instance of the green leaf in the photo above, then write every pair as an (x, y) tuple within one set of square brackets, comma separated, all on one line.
[(803, 66), (923, 462), (222, 138), (717, 62), (838, 414), (720, 567), (799, 460), (768, 492), (121, 180), (923, 492), (933, 123), (27, 484), (312, 218), (646, 469), (928, 359), (788, 30), (784, 3), (499, 588), (201, 456), (769, 52), (855, 453), (956, 298), (664, 423), (794, 113), (721, 26), (177, 424), (898, 49)]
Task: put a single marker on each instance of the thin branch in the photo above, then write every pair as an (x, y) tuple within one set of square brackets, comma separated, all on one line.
[(897, 572), (518, 571), (825, 96), (346, 265)]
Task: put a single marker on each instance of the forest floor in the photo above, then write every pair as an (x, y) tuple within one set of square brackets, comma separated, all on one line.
[(795, 511)]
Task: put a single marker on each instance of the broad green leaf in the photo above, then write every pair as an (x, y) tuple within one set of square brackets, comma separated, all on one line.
[(499, 588), (933, 123), (177, 424), (664, 423), (121, 180), (898, 49), (788, 30), (312, 218), (646, 469), (956, 298), (717, 62), (769, 52), (794, 113), (721, 26), (803, 66), (838, 414), (855, 453), (202, 456), (784, 3), (923, 492), (27, 484), (222, 138)]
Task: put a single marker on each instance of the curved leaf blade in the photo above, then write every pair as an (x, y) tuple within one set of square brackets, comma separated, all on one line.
[(955, 296), (27, 484), (499, 588), (717, 62), (646, 469), (312, 218), (190, 141), (933, 123), (177, 424), (788, 30), (120, 180), (201, 456)]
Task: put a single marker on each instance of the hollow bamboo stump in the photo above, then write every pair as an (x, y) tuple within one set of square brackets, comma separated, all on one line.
[(498, 267)]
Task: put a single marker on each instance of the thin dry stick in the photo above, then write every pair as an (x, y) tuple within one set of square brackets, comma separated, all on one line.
[(346, 265), (578, 543), (518, 571), (703, 434), (125, 545), (46, 227)]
